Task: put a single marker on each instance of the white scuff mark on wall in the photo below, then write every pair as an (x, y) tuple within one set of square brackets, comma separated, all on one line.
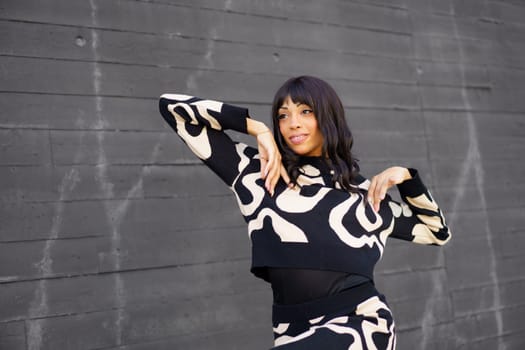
[(113, 218), (431, 305), (206, 63), (115, 209), (473, 168), (39, 306)]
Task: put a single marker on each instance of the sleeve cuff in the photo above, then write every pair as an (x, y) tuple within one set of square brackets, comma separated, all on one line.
[(234, 118), (412, 187)]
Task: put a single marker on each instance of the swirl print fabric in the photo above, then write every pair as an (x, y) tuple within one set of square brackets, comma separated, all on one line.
[(367, 325)]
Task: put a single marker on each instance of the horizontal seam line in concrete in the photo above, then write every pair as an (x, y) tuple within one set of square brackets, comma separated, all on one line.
[(412, 269), (370, 4), (413, 59), (160, 65), (257, 103), (486, 312), (111, 199), (128, 306), (182, 163), (253, 103), (70, 238), (365, 81), (94, 163), (495, 336), (190, 230), (120, 271), (194, 335), (476, 239), (359, 54), (7, 126), (413, 328), (472, 18), (180, 35), (378, 5), (467, 210), (276, 18), (188, 36), (483, 285)]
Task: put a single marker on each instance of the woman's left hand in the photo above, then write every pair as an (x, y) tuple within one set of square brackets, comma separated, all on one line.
[(380, 184)]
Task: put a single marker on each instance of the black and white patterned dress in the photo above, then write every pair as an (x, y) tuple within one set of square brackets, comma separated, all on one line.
[(315, 225)]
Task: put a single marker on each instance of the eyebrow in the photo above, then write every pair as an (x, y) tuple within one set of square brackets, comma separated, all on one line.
[(297, 104)]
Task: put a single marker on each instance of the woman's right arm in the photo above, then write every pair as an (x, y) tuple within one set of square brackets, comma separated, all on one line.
[(201, 124)]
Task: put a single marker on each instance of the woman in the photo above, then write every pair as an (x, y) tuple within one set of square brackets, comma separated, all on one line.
[(317, 227)]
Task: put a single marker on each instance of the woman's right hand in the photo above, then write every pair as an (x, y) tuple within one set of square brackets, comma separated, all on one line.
[(271, 162), (272, 167)]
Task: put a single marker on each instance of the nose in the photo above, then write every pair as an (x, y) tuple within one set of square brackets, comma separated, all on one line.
[(294, 121)]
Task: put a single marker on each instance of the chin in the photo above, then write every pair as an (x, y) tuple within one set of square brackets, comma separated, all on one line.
[(304, 154)]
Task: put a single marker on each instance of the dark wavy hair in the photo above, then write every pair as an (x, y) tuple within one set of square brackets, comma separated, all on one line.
[(330, 114)]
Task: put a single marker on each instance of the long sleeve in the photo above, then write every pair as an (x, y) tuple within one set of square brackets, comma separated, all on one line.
[(419, 218), (201, 124)]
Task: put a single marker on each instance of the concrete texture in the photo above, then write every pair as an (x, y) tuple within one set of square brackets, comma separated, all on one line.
[(112, 234)]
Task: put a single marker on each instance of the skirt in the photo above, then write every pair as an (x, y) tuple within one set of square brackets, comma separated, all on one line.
[(355, 319)]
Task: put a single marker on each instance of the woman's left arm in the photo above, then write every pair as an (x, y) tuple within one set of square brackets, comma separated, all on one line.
[(419, 218)]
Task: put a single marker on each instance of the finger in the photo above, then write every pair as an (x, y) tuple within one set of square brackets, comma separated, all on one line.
[(284, 175), (385, 185), (270, 163), (273, 177), (264, 164), (378, 193), (269, 171), (371, 189), (269, 181), (274, 180)]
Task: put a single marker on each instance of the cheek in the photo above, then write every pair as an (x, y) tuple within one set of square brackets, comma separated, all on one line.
[(313, 126), (318, 134)]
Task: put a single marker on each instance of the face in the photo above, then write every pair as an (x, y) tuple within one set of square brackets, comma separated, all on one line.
[(299, 128)]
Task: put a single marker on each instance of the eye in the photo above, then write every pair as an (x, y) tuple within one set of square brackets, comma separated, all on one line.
[(281, 116), (307, 111)]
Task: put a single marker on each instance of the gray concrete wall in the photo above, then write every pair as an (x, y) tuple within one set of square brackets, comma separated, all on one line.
[(113, 236)]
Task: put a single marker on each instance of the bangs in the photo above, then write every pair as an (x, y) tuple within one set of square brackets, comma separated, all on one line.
[(298, 92)]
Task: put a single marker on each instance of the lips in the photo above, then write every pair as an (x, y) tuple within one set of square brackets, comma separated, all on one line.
[(298, 139)]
